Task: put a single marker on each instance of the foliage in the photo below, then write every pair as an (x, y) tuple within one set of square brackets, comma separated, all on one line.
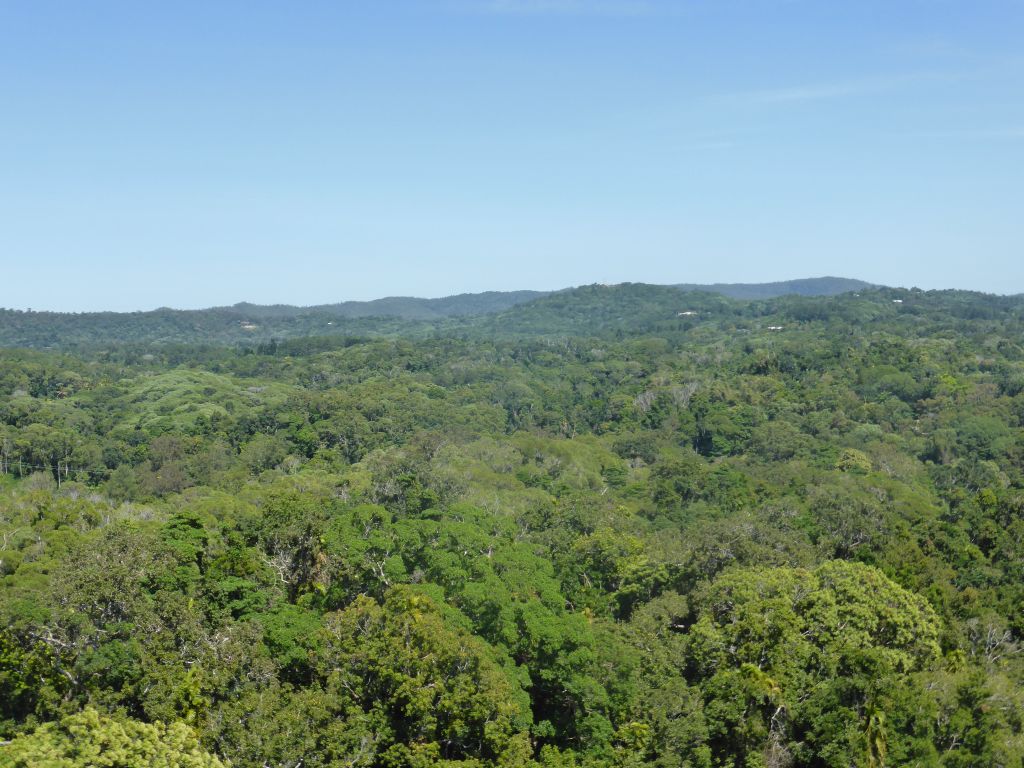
[(586, 530), (90, 740)]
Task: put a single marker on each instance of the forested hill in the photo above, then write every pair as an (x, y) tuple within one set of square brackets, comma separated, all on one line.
[(405, 307), (615, 527), (251, 323), (814, 286), (239, 324)]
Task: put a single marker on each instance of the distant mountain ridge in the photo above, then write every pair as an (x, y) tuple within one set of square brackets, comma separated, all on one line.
[(406, 307), (486, 302), (246, 323), (812, 286)]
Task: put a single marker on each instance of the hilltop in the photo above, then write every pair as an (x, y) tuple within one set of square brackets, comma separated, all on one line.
[(813, 286), (246, 323)]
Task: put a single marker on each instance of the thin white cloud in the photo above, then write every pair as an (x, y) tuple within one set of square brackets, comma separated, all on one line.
[(568, 7), (839, 89), (1007, 133), (707, 145), (820, 91), (802, 93)]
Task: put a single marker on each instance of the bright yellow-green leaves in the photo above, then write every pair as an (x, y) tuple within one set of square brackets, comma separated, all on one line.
[(91, 740)]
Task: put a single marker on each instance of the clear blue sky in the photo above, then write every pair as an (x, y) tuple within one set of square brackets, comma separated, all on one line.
[(197, 153)]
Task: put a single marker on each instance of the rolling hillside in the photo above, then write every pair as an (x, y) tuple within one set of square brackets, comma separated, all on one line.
[(813, 286), (577, 308)]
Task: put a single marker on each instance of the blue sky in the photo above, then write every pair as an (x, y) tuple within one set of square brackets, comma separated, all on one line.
[(191, 154)]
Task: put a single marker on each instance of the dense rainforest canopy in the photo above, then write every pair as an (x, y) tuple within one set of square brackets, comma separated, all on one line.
[(613, 526)]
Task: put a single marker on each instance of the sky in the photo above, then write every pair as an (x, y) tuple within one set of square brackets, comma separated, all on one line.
[(193, 154)]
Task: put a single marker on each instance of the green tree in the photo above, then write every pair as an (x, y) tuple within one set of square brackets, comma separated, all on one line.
[(91, 740)]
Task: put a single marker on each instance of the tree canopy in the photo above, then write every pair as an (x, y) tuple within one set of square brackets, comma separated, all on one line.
[(616, 526)]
